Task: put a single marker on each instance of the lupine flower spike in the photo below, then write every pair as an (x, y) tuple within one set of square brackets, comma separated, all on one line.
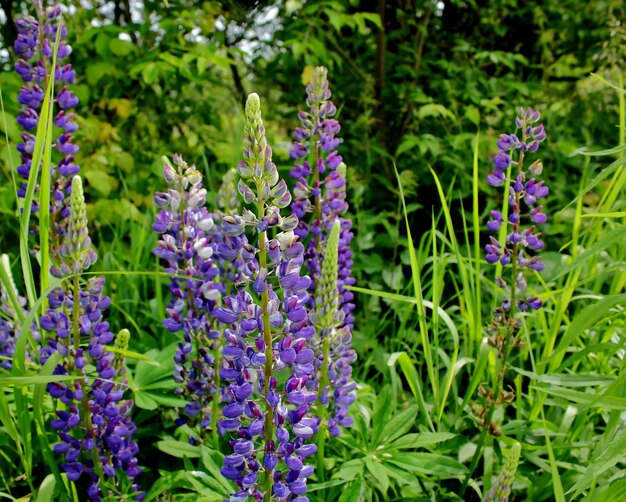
[(92, 420), (517, 253), (525, 213), (267, 335), (501, 491), (320, 203), (34, 45), (188, 247)]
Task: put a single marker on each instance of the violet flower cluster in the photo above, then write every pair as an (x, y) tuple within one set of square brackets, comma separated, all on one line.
[(525, 211), (320, 195), (267, 335), (93, 420), (188, 246), (34, 46)]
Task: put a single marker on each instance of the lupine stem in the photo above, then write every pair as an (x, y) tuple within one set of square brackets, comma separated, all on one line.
[(215, 402), (85, 399), (321, 408), (267, 337)]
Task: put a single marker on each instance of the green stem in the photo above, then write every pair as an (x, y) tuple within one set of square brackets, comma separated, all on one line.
[(215, 401), (321, 408), (267, 337), (86, 412)]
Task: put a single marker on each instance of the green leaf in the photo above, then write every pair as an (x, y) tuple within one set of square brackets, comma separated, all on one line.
[(607, 458), (399, 424), (144, 401), (6, 419), (430, 464), (102, 45), (21, 381), (421, 440), (378, 471), (134, 355), (382, 413), (101, 181), (150, 72), (351, 469), (179, 449), (568, 379), (212, 461), (608, 402), (98, 71), (615, 491), (609, 238), (435, 110), (120, 47), (353, 492), (586, 319), (46, 490)]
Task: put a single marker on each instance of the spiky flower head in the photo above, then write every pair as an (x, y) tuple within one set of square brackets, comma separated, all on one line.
[(76, 252), (328, 313), (227, 197), (121, 345), (501, 491)]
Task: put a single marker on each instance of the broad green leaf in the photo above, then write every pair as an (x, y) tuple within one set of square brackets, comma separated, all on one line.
[(120, 47), (179, 449), (353, 492), (422, 440), (46, 489), (144, 401), (377, 470), (400, 424), (382, 414), (429, 463), (351, 469)]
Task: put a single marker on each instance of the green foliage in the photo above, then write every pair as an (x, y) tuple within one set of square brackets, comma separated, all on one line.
[(414, 82)]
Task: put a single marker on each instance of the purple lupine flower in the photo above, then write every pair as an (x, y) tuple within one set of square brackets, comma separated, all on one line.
[(523, 238), (188, 247), (320, 201), (93, 420), (267, 335), (33, 46)]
